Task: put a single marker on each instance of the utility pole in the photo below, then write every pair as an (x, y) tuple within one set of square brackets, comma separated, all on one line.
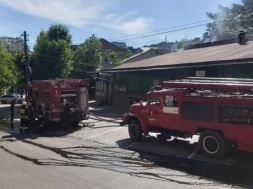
[(27, 66)]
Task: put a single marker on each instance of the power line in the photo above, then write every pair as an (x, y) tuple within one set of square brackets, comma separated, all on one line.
[(186, 10), (208, 20), (223, 33), (159, 32), (151, 32), (155, 31), (161, 38), (182, 29), (170, 31), (88, 64), (74, 62)]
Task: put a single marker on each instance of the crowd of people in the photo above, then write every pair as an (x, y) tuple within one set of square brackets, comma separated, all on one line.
[(32, 114)]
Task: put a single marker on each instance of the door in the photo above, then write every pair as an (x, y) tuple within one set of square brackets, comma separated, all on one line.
[(170, 112), (154, 110)]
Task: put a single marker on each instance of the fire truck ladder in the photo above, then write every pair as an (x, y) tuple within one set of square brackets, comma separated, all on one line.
[(218, 85), (219, 80)]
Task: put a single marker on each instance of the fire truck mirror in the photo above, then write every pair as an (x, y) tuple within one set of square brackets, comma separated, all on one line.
[(174, 102)]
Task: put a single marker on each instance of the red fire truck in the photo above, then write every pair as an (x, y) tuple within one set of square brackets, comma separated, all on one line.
[(53, 96), (220, 111)]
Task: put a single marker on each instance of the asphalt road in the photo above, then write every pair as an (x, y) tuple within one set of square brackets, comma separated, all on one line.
[(32, 161), (100, 155)]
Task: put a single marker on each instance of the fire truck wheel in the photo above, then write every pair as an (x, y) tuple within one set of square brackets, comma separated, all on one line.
[(19, 101), (135, 131), (212, 144), (74, 124)]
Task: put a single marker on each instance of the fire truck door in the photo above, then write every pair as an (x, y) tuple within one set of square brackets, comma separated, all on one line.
[(154, 111), (170, 112)]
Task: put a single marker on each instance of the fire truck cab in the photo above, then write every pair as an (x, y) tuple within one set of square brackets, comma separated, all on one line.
[(220, 111), (55, 95)]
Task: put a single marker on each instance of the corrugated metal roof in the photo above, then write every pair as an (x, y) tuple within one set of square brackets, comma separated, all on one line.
[(144, 50), (214, 54)]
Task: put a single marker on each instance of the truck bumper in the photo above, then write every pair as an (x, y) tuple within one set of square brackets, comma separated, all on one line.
[(124, 119)]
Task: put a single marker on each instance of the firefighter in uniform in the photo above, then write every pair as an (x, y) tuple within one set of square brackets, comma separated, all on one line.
[(31, 116), (23, 113), (13, 102)]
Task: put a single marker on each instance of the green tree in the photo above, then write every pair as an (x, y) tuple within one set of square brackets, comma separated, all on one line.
[(7, 69), (243, 13), (114, 58), (18, 57), (228, 21), (87, 56), (127, 52), (59, 32), (52, 57)]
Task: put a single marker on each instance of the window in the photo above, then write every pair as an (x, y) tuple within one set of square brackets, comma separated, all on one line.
[(8, 96), (154, 100), (170, 101)]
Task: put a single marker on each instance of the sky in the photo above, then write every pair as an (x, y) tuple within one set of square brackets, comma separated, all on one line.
[(135, 22)]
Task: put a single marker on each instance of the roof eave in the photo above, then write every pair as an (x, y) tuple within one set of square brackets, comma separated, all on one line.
[(184, 65)]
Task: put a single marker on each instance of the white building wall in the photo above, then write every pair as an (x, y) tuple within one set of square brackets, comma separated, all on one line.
[(11, 44)]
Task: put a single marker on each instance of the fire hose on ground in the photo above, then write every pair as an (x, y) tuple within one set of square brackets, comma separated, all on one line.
[(102, 119)]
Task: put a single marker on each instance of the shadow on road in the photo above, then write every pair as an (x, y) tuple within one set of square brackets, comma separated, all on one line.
[(236, 170), (34, 132), (18, 136)]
